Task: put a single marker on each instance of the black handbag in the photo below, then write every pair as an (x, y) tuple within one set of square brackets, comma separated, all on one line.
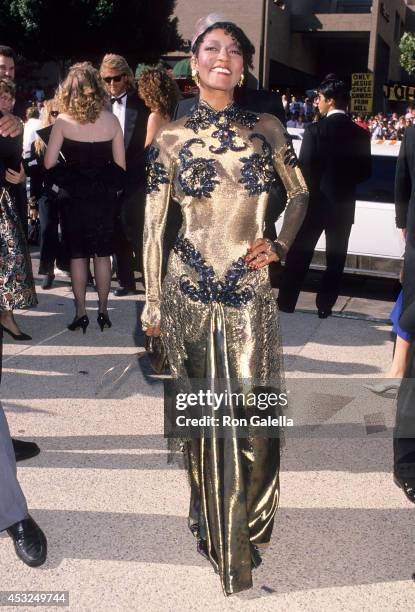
[(157, 353)]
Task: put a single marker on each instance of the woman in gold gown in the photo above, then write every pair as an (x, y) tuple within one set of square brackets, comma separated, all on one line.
[(215, 308)]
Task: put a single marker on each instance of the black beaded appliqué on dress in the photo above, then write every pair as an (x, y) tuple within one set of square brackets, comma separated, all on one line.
[(258, 172), (196, 175), (209, 288), (156, 171), (290, 156), (205, 116)]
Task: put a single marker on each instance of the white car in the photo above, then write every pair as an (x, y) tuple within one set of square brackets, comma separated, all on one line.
[(296, 133), (376, 246)]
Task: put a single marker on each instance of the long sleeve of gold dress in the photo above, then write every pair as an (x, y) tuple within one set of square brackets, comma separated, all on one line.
[(219, 317)]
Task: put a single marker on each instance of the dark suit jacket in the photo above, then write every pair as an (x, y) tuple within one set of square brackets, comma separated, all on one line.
[(405, 218), (256, 100), (135, 130), (405, 180), (131, 212), (334, 158)]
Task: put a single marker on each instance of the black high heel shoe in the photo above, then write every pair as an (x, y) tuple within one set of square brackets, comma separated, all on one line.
[(20, 336), (81, 322), (103, 320)]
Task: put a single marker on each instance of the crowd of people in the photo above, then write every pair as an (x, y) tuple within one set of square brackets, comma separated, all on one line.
[(106, 165), (301, 111), (389, 126)]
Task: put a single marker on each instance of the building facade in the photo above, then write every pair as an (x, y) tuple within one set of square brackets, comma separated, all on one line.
[(299, 41)]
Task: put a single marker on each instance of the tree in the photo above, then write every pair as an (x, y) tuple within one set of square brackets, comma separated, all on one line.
[(74, 30), (407, 52), (10, 30)]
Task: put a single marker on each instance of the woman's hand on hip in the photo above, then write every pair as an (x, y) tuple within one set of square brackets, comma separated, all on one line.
[(261, 254), (153, 331)]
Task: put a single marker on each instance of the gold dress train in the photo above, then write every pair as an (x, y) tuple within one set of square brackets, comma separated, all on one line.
[(218, 317)]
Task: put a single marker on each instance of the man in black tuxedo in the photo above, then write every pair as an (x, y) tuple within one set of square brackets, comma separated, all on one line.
[(404, 436), (334, 158), (133, 116), (258, 101)]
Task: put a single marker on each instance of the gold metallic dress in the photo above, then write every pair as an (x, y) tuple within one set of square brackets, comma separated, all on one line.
[(219, 318)]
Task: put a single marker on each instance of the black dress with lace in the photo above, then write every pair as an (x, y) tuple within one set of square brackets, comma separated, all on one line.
[(88, 182)]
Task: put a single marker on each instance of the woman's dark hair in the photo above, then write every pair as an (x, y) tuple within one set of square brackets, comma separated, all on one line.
[(334, 88), (238, 35)]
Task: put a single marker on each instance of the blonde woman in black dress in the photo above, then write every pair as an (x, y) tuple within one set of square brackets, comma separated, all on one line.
[(91, 141)]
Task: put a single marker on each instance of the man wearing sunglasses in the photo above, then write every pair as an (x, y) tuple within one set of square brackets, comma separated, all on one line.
[(133, 115)]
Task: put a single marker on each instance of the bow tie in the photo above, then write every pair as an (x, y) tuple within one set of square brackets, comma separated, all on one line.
[(119, 100)]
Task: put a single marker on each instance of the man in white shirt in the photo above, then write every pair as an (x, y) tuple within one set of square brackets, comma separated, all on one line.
[(32, 124), (133, 115)]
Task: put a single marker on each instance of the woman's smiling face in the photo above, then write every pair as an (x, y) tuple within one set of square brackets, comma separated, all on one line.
[(219, 61)]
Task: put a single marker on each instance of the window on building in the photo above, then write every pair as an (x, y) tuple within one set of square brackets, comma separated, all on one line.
[(354, 6)]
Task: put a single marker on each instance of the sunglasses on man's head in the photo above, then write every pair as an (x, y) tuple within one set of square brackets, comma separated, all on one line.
[(116, 78), (54, 114)]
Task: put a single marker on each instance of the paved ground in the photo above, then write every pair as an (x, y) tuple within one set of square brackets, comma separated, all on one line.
[(115, 511)]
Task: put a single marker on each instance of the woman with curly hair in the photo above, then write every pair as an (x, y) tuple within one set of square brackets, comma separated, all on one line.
[(160, 95), (89, 141)]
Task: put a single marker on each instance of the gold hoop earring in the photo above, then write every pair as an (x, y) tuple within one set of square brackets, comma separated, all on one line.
[(195, 76), (241, 80)]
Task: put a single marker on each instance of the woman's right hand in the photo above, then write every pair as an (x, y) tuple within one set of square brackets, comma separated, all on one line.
[(15, 177), (10, 125), (153, 331)]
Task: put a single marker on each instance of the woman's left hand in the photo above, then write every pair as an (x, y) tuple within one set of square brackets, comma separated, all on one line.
[(260, 254), (14, 177)]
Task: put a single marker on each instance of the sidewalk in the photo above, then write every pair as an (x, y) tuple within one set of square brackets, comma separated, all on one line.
[(115, 512)]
